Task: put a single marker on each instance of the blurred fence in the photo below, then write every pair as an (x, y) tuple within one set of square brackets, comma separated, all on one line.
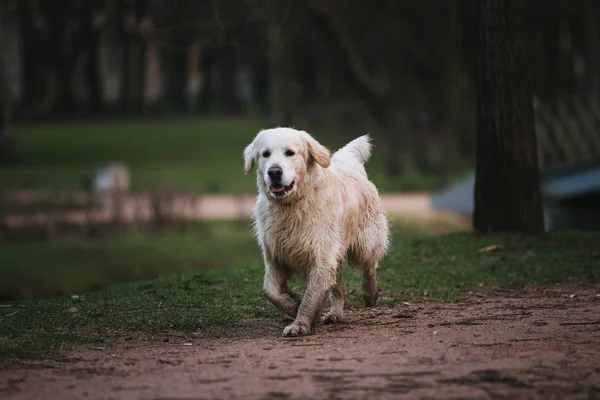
[(46, 214), (568, 132), (28, 215)]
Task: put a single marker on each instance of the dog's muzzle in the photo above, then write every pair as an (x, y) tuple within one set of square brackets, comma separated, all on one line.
[(276, 186)]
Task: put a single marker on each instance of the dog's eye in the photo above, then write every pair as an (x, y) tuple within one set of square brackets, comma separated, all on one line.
[(289, 153), (266, 154)]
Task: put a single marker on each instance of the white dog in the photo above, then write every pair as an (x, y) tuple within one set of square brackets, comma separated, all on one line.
[(312, 212)]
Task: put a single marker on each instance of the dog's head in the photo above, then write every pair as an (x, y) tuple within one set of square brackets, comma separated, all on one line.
[(284, 158)]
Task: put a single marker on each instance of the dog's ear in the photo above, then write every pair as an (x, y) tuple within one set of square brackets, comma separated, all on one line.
[(318, 152), (249, 156)]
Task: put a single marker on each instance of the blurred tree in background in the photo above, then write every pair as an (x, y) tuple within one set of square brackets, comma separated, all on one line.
[(391, 67), (6, 142)]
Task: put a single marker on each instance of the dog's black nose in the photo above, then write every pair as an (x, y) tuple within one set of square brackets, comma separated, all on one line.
[(275, 172)]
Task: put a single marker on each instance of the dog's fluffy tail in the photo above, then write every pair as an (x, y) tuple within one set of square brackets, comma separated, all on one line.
[(355, 153)]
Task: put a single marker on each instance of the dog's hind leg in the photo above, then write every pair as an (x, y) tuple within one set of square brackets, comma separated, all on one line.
[(370, 286), (369, 249), (275, 290), (337, 298)]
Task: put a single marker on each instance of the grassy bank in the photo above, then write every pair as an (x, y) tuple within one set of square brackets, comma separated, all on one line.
[(75, 265), (191, 155), (213, 300), (72, 265)]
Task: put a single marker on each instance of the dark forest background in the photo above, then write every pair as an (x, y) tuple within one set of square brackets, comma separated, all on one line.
[(396, 68)]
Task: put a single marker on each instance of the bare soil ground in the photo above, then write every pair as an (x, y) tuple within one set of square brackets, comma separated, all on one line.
[(531, 343)]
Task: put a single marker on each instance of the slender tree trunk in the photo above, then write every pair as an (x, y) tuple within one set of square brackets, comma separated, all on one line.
[(6, 143), (507, 192), (174, 63), (279, 42), (280, 93), (91, 37), (566, 58), (30, 58), (454, 107), (136, 73), (125, 21), (193, 76), (592, 12), (125, 72)]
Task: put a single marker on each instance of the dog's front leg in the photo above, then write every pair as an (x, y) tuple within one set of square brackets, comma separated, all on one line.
[(275, 289), (320, 280)]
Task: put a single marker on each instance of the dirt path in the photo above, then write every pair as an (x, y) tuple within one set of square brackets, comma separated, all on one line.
[(537, 343)]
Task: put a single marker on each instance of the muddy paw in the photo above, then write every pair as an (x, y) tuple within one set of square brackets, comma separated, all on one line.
[(332, 318), (296, 329), (370, 301)]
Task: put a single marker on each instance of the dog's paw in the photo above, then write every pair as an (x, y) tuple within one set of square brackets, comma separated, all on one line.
[(370, 301), (296, 329), (332, 318)]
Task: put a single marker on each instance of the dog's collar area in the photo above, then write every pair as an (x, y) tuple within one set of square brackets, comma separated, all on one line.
[(291, 203), (286, 201)]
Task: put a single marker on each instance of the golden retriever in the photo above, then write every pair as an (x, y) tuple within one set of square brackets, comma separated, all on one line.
[(313, 211)]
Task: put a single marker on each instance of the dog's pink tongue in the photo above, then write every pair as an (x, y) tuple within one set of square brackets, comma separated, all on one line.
[(277, 188)]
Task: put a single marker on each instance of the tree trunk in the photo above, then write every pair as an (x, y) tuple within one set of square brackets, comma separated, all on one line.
[(136, 73), (91, 38), (455, 137), (6, 145), (282, 107), (193, 77), (592, 11), (30, 56), (507, 192)]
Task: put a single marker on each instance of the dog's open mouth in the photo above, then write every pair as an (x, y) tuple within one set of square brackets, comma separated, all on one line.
[(279, 190)]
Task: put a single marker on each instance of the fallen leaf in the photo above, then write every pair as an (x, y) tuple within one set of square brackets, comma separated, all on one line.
[(73, 309), (491, 248)]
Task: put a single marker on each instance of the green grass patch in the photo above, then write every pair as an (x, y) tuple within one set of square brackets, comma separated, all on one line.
[(74, 265), (212, 300), (184, 155)]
